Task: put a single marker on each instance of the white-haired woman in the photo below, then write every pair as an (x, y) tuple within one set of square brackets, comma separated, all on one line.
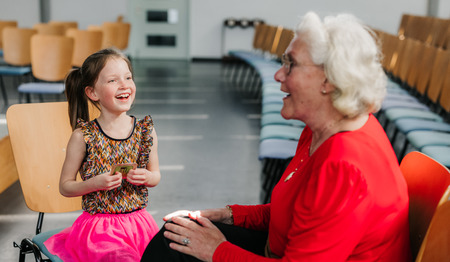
[(342, 197)]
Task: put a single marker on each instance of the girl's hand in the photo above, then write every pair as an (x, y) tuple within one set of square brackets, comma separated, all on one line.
[(139, 176), (203, 237), (221, 215), (106, 181)]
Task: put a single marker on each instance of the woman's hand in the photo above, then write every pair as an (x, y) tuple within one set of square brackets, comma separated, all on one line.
[(203, 237), (222, 215)]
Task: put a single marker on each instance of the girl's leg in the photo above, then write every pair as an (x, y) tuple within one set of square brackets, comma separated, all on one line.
[(251, 240)]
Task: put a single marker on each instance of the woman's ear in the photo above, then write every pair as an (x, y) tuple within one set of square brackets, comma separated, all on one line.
[(327, 86), (90, 92)]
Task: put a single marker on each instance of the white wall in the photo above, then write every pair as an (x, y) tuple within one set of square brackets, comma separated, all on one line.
[(444, 9), (206, 16), (15, 10), (87, 12)]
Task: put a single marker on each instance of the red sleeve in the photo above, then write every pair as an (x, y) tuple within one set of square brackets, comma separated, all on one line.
[(255, 217)]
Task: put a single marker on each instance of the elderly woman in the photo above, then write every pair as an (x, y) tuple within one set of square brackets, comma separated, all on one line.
[(342, 197)]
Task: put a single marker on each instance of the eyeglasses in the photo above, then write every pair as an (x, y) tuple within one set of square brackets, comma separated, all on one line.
[(288, 64)]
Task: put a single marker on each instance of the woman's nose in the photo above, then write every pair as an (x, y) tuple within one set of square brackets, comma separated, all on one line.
[(280, 75)]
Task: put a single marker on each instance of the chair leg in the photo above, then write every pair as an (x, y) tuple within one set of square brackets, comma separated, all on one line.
[(5, 96), (27, 247)]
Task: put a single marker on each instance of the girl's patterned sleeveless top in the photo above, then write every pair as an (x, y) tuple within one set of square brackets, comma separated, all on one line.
[(102, 153)]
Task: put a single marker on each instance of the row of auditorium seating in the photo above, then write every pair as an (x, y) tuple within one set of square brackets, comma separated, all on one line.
[(58, 46), (415, 112)]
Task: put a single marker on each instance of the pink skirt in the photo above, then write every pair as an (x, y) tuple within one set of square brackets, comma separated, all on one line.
[(104, 237)]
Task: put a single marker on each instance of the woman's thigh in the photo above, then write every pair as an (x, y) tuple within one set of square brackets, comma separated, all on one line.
[(251, 240)]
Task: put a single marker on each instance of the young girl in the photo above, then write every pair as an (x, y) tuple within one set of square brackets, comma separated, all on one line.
[(115, 225)]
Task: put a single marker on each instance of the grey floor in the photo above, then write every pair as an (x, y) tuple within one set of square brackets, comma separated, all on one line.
[(208, 147)]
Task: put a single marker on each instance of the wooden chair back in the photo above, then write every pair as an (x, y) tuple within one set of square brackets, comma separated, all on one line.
[(420, 77), (403, 25), (388, 47), (66, 24), (39, 135), (260, 35), (435, 246), (276, 40), (285, 39), (439, 31), (409, 58), (3, 24), (444, 98), (446, 44), (438, 74), (111, 34), (17, 45), (50, 29), (427, 181), (86, 42), (397, 46), (421, 57), (270, 39), (403, 56), (9, 170), (124, 35), (51, 56)]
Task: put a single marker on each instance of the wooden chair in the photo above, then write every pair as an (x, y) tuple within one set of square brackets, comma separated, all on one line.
[(17, 45), (444, 99), (438, 32), (39, 135), (271, 39), (124, 35), (403, 56), (86, 42), (259, 36), (50, 29), (9, 174), (285, 39), (409, 59), (388, 47), (51, 60), (3, 24), (403, 25), (435, 246), (440, 71), (66, 24), (421, 79), (17, 55), (427, 181)]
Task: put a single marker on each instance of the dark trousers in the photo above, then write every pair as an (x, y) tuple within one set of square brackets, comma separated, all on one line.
[(158, 249)]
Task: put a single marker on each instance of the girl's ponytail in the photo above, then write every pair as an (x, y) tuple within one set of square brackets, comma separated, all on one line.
[(76, 97)]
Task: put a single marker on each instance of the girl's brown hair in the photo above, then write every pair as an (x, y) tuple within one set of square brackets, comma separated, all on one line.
[(80, 78)]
